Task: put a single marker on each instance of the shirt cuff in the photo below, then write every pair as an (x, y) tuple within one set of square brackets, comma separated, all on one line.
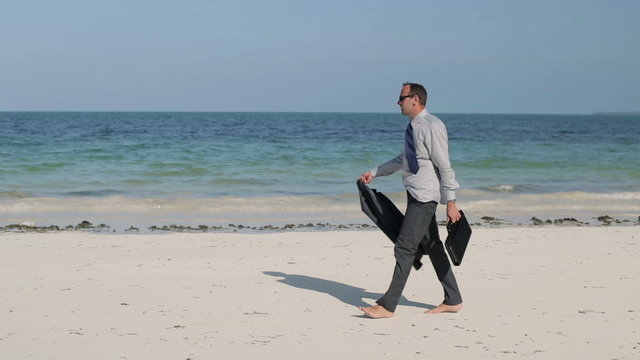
[(450, 195), (374, 171)]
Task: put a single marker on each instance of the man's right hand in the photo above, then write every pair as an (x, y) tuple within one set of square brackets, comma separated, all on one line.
[(366, 177)]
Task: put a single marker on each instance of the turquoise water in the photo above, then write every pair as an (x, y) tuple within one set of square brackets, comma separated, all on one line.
[(257, 154), (198, 156)]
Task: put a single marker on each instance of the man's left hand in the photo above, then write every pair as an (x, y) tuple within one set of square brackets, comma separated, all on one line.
[(453, 214)]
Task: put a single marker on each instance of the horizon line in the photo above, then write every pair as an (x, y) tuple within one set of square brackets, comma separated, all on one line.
[(312, 112)]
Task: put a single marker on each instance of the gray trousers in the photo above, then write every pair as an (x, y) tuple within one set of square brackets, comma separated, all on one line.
[(420, 228)]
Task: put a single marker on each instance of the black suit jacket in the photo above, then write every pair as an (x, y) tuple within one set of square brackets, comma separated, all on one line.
[(381, 210)]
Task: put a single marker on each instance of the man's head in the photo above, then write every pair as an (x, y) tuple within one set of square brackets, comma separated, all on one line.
[(413, 99)]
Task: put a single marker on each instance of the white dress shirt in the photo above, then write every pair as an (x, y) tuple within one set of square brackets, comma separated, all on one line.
[(435, 180)]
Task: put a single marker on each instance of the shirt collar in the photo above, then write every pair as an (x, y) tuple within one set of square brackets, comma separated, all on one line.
[(421, 114)]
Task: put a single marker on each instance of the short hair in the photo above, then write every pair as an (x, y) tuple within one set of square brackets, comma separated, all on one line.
[(419, 90)]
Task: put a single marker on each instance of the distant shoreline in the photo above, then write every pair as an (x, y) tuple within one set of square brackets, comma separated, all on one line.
[(600, 113), (485, 222)]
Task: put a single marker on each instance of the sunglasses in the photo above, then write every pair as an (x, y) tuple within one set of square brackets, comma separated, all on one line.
[(402, 97)]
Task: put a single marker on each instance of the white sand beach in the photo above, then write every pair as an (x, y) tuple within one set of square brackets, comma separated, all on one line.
[(551, 292)]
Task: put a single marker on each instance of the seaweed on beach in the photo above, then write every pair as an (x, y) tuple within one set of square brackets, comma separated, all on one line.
[(562, 221), (537, 221), (29, 228), (569, 221), (494, 221), (267, 228), (608, 220), (86, 225), (179, 228)]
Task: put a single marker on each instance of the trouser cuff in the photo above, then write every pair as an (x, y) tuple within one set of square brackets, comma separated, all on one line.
[(382, 303), (452, 302)]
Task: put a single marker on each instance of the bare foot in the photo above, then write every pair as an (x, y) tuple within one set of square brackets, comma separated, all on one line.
[(376, 312), (442, 308)]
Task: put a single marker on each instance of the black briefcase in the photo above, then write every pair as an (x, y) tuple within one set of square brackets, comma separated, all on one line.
[(458, 237)]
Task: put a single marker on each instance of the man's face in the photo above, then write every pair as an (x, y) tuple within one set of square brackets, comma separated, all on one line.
[(406, 103)]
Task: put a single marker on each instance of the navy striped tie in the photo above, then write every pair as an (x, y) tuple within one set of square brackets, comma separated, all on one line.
[(410, 150)]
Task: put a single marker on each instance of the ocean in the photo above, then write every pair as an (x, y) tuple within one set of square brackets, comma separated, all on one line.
[(159, 168)]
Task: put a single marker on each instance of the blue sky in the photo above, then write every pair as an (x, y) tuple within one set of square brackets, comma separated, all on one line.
[(487, 56)]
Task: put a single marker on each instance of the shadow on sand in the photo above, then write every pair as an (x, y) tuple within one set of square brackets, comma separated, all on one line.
[(346, 293)]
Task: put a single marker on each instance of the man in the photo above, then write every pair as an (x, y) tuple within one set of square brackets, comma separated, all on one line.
[(428, 179)]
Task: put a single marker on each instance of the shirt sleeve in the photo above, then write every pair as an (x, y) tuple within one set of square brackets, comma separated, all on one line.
[(437, 143), (389, 167)]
